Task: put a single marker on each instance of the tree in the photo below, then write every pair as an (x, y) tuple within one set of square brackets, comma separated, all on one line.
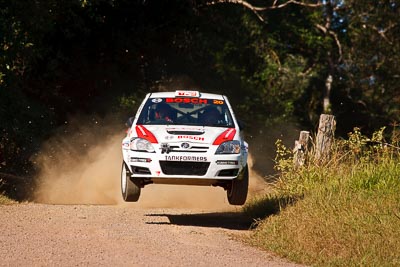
[(371, 67), (355, 81), (298, 47)]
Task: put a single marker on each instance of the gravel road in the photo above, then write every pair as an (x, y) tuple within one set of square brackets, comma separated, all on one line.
[(78, 218), (125, 235)]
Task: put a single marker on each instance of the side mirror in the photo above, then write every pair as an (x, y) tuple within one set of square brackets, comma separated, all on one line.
[(241, 124), (129, 122)]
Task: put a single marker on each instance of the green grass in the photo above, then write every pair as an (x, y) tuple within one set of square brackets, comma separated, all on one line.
[(343, 213)]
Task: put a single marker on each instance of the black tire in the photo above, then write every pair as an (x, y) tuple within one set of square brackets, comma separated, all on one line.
[(237, 191), (130, 190)]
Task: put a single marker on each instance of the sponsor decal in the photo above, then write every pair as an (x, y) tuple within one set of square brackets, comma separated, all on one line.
[(191, 137), (186, 100), (156, 100), (185, 158), (218, 102), (165, 148), (187, 93), (190, 129)]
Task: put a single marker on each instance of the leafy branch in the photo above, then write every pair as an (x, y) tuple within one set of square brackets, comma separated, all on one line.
[(257, 9)]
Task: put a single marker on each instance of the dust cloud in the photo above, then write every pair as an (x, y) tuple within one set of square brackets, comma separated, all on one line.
[(262, 140), (82, 165)]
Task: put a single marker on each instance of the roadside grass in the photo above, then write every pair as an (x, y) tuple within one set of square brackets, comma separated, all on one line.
[(4, 200), (345, 212)]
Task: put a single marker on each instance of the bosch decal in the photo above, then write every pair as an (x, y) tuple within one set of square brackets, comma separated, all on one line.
[(190, 137), (187, 100)]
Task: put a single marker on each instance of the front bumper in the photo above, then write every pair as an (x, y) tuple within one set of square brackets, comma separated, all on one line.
[(200, 166)]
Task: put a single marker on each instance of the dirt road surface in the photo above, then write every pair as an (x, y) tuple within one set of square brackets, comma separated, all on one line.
[(125, 235), (77, 216)]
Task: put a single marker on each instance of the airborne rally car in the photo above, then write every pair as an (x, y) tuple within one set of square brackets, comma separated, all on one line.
[(185, 138)]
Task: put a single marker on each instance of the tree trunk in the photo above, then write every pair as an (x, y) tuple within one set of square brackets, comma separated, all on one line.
[(325, 137), (327, 94)]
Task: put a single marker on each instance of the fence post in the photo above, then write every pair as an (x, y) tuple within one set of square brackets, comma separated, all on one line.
[(300, 149), (325, 136)]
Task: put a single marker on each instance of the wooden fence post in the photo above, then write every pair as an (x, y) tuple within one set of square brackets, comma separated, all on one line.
[(300, 149), (325, 136)]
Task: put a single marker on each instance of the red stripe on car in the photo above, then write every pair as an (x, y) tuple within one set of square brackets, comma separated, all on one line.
[(142, 132), (225, 136)]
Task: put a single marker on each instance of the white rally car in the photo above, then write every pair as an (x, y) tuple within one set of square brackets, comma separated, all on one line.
[(185, 138)]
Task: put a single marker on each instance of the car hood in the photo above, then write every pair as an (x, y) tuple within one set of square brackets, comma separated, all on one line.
[(184, 133)]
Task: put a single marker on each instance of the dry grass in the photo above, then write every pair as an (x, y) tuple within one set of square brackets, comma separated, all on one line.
[(343, 213), (5, 200)]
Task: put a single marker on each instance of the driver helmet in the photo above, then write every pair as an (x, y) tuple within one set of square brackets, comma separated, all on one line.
[(163, 112), (210, 115)]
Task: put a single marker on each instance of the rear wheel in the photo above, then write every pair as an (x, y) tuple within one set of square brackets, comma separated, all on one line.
[(130, 189), (237, 191)]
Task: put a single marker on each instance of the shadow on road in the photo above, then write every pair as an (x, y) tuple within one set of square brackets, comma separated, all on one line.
[(227, 220)]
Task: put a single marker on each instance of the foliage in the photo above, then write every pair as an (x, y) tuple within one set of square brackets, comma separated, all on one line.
[(266, 61), (283, 158), (5, 200), (61, 58), (345, 213), (370, 73)]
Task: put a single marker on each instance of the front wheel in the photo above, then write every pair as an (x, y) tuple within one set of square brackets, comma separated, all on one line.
[(237, 190), (130, 190)]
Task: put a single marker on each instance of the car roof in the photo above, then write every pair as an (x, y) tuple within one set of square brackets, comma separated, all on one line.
[(173, 94)]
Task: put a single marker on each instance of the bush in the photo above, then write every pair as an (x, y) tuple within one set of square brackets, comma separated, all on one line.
[(345, 212)]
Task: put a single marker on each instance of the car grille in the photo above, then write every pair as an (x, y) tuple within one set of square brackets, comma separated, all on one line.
[(184, 167), (193, 149)]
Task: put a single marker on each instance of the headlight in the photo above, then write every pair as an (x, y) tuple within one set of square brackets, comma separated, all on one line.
[(229, 147), (140, 144)]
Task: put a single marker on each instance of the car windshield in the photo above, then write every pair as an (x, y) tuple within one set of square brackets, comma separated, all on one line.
[(186, 111)]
